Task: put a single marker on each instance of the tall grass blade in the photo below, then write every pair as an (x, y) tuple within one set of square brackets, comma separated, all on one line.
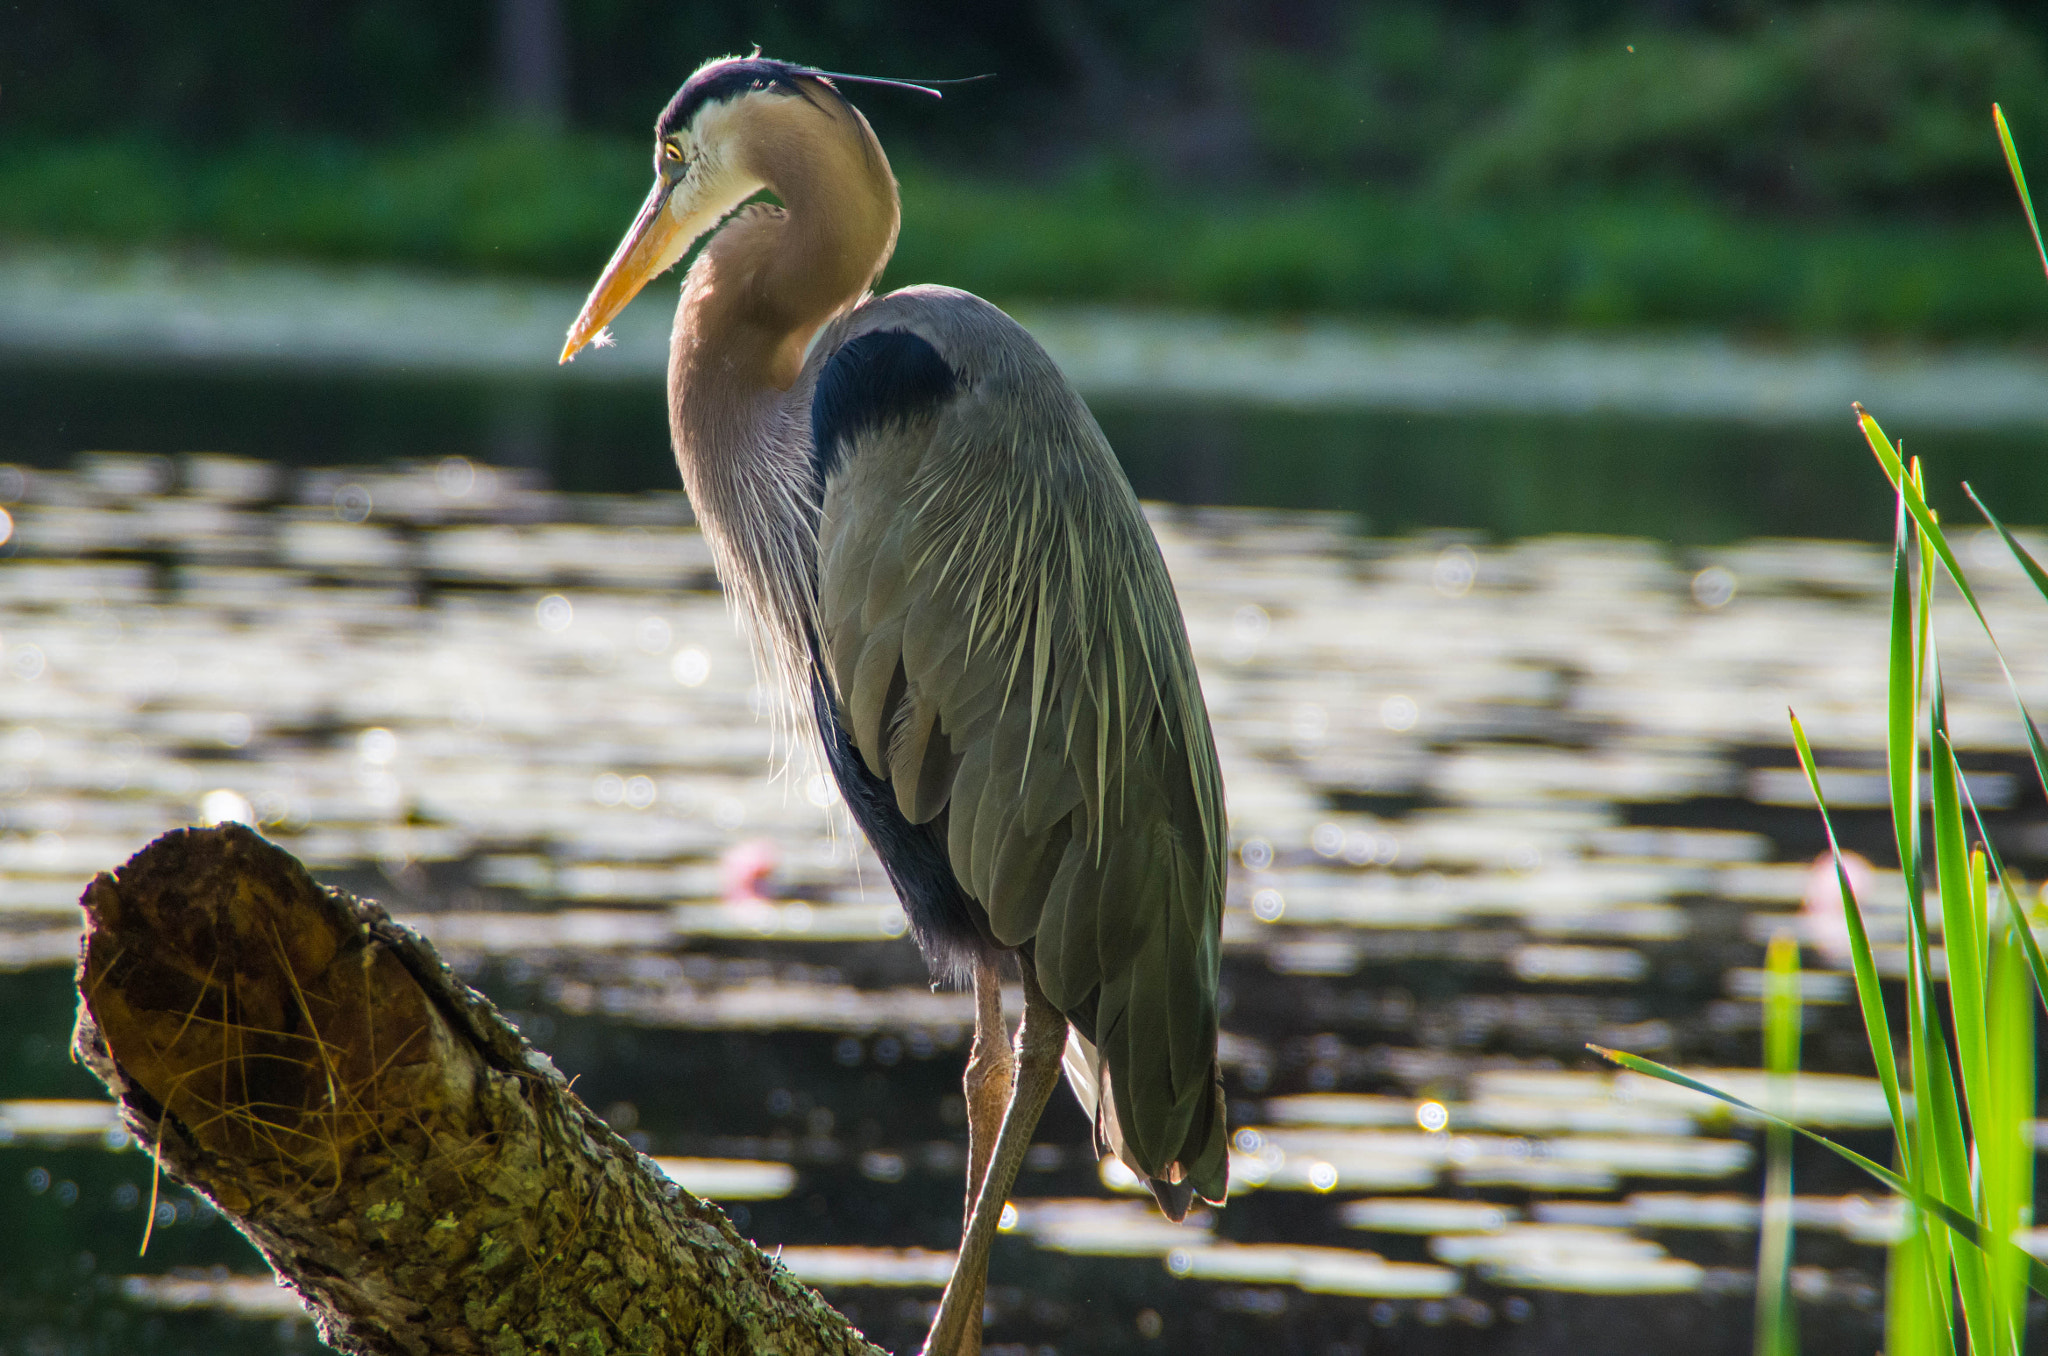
[(1966, 923), (1943, 1139), (2027, 561), (1948, 1141), (1989, 1184), (1869, 992), (1918, 1311), (1964, 1226), (1944, 1167), (1921, 1144), (1902, 736), (2005, 1141), (2005, 1136), (1777, 1327), (1962, 929), (1930, 533), (1916, 503), (1916, 1299), (1984, 1159), (2019, 181), (2023, 932)]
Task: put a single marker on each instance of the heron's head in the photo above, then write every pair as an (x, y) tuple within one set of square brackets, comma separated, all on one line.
[(710, 145)]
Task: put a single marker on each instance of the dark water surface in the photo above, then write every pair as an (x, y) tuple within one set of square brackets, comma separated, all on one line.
[(1500, 732), (1690, 482)]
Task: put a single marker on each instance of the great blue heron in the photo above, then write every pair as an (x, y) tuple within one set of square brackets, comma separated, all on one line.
[(939, 560)]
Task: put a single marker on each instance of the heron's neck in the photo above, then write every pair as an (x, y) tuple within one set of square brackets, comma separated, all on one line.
[(772, 276), (751, 303)]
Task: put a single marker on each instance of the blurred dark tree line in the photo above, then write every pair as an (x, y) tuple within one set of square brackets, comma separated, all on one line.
[(1791, 106)]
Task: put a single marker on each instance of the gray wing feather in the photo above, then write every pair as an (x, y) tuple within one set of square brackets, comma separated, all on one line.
[(1008, 652)]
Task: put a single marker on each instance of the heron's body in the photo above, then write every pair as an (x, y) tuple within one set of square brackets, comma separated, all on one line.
[(1008, 702), (945, 569)]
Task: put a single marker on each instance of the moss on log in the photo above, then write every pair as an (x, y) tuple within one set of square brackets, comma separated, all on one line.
[(421, 1175)]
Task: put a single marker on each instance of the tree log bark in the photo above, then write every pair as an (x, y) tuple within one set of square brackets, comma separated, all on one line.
[(418, 1173)]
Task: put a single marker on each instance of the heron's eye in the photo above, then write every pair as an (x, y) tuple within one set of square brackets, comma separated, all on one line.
[(671, 153)]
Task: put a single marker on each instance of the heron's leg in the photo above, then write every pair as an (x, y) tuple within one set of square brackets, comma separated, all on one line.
[(1041, 1039), (990, 1072)]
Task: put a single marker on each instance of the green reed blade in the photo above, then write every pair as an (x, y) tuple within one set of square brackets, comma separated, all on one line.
[(1930, 533), (2019, 181), (1950, 1152), (1961, 928), (2004, 1137), (2040, 578), (2023, 931), (2005, 1143), (2016, 914), (1781, 1008), (1916, 503), (2029, 946), (1932, 1147), (1902, 731), (1777, 1325), (1939, 1120), (1965, 1227), (1869, 991), (2020, 553), (1923, 654), (1908, 659), (1965, 931), (1927, 1177), (1916, 1300)]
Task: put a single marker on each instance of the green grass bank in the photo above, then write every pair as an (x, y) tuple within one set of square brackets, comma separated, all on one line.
[(513, 203)]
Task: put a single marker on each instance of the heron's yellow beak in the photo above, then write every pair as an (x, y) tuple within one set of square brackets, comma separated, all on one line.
[(656, 241)]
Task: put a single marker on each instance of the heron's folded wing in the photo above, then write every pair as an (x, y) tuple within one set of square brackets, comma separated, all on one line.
[(1007, 654)]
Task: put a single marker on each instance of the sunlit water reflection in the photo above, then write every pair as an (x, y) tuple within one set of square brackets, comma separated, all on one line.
[(1505, 475), (1487, 803)]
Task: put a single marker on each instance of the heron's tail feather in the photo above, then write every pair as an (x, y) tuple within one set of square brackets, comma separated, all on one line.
[(1174, 1198), (1083, 1064), (1202, 1167), (1206, 1153)]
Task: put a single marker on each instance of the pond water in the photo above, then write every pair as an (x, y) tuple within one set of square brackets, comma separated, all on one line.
[(1686, 481), (1493, 794)]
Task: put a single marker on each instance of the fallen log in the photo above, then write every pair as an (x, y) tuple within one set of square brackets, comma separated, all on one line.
[(403, 1158)]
